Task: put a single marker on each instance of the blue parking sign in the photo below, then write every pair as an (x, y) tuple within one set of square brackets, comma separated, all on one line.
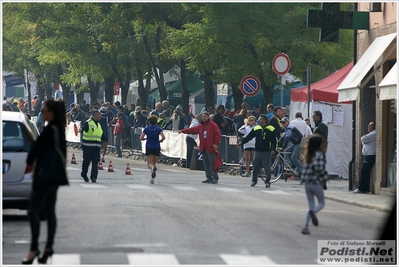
[(250, 85)]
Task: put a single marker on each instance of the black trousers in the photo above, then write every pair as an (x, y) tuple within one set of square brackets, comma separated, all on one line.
[(365, 172), (190, 142), (91, 155), (43, 199)]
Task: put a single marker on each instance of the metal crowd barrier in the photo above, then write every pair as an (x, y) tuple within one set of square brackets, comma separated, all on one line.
[(135, 149), (229, 152)]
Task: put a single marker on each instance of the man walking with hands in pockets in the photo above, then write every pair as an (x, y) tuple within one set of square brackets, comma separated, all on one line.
[(210, 138)]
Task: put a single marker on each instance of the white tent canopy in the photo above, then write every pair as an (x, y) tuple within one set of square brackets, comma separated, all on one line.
[(170, 76), (338, 118)]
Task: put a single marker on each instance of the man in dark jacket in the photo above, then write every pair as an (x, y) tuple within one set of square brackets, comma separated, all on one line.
[(221, 121), (265, 147), (140, 121), (106, 123), (275, 121), (37, 107), (320, 128)]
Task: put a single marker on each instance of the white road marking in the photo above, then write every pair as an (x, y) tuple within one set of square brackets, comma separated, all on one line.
[(232, 190), (326, 210), (170, 170), (93, 185), (140, 169), (73, 169), (64, 259), (245, 260), (275, 192), (138, 186), (152, 259), (184, 188), (21, 241), (140, 245)]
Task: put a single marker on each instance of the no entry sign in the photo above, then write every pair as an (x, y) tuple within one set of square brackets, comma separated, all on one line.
[(281, 64), (250, 85)]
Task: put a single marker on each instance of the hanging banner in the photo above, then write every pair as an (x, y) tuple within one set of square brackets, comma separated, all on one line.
[(117, 87)]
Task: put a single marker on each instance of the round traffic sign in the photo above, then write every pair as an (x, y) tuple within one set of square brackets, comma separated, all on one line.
[(250, 85), (281, 64)]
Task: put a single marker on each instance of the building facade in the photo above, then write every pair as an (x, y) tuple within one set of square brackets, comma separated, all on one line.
[(376, 55)]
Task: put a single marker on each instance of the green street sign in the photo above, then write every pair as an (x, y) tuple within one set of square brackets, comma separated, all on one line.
[(330, 20)]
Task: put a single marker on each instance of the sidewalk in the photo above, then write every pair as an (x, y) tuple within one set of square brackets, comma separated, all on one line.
[(338, 190)]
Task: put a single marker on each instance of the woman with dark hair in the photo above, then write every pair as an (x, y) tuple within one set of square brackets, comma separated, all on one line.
[(239, 119), (43, 197), (153, 144), (313, 175)]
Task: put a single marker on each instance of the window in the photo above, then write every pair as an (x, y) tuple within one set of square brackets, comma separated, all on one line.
[(376, 7), (14, 136)]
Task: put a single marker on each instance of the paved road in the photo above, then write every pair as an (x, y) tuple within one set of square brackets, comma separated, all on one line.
[(122, 219)]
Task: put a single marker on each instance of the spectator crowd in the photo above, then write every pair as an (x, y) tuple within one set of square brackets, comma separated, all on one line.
[(124, 119)]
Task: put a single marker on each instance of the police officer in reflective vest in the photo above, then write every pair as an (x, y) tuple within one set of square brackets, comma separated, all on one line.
[(92, 136)]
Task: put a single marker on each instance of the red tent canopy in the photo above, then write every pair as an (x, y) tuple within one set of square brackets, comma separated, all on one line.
[(324, 90)]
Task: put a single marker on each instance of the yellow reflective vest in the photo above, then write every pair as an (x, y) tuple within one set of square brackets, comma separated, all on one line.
[(93, 136)]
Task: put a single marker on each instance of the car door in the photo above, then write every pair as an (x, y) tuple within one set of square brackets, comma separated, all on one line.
[(17, 142)]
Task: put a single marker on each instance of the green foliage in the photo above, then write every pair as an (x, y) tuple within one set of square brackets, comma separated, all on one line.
[(229, 40)]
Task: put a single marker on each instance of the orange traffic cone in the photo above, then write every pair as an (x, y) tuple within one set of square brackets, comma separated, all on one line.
[(100, 165), (110, 168), (73, 160), (128, 172)]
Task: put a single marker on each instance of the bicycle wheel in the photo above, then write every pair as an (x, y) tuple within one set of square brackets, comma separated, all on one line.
[(277, 169)]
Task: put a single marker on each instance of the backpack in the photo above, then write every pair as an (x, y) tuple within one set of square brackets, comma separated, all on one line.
[(296, 136)]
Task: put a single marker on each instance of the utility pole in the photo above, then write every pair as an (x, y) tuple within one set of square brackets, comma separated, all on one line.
[(29, 94)]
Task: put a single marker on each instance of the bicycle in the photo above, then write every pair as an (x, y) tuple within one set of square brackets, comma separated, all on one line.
[(282, 168)]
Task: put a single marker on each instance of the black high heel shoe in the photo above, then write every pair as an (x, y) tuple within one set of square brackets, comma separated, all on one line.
[(47, 253), (30, 261)]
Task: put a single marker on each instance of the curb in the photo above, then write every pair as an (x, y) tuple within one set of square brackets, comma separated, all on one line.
[(382, 208)]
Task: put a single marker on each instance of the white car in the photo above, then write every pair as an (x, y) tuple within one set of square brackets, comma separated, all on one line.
[(18, 134)]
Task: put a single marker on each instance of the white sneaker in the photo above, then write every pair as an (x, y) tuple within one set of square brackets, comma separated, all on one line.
[(241, 162), (152, 181)]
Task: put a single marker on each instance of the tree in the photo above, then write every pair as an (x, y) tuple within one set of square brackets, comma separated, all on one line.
[(231, 46), (19, 46), (119, 41)]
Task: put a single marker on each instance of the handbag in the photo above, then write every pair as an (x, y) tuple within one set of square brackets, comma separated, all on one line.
[(218, 162), (50, 167)]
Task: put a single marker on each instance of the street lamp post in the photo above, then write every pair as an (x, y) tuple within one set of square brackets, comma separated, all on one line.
[(29, 94)]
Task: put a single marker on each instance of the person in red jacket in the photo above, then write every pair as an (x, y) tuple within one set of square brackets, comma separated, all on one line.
[(210, 137)]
